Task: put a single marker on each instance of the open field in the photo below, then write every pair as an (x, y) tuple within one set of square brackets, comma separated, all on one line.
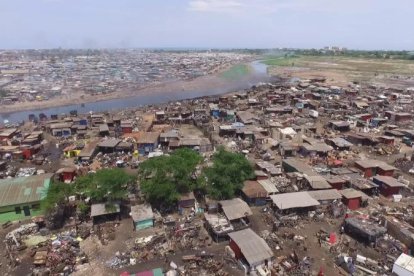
[(342, 70)]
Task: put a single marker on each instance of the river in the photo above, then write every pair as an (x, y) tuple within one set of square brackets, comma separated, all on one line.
[(258, 73)]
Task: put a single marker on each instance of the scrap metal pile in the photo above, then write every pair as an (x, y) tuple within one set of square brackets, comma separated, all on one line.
[(60, 254), (160, 245), (203, 264), (404, 165)]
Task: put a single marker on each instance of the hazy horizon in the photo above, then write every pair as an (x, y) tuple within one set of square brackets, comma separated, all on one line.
[(206, 24)]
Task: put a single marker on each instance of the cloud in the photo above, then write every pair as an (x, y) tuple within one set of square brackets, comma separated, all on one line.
[(216, 5)]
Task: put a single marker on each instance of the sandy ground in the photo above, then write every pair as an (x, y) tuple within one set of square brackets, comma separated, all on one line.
[(341, 71)]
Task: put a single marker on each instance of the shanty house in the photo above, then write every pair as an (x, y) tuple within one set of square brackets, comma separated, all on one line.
[(317, 182), (66, 175), (351, 198), (142, 216), (147, 142), (388, 185), (108, 145), (88, 152), (22, 195), (61, 129), (339, 143), (187, 200), (340, 126), (374, 167), (126, 126), (8, 133), (300, 201), (254, 193), (252, 251), (101, 212), (325, 196), (296, 165), (103, 130), (236, 211), (336, 182)]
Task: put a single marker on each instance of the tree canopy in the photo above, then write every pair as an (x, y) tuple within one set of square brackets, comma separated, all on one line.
[(104, 185), (57, 195), (164, 178), (227, 174)]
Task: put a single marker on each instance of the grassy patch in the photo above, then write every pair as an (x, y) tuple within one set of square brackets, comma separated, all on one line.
[(12, 216), (280, 61), (236, 72), (357, 64)]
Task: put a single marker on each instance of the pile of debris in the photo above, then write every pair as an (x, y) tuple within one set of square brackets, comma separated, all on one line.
[(60, 254), (15, 237), (26, 172), (202, 264), (160, 245), (365, 265), (404, 165), (292, 265)]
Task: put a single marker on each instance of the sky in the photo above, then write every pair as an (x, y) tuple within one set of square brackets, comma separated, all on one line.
[(355, 24)]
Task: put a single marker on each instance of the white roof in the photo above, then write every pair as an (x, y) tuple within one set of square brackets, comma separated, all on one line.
[(294, 200), (253, 247), (405, 262), (288, 131), (235, 208), (268, 186)]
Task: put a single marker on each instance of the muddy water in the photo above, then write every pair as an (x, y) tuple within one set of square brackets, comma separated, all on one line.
[(256, 75)]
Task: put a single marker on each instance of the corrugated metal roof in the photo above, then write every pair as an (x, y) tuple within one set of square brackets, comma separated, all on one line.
[(254, 249), (388, 180), (406, 262), (141, 212), (100, 209), (253, 189), (268, 186), (330, 194), (235, 208), (109, 143), (350, 193), (20, 190), (294, 200), (317, 182)]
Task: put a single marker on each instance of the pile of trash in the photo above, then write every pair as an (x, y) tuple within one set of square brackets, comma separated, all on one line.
[(160, 245), (26, 172), (59, 254), (292, 265), (404, 165), (16, 236), (202, 264), (364, 265)]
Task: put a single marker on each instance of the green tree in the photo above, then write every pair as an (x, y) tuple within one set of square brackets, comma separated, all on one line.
[(164, 178), (227, 174), (57, 195), (104, 185)]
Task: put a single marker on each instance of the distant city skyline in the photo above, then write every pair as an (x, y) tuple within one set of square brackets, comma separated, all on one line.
[(354, 24)]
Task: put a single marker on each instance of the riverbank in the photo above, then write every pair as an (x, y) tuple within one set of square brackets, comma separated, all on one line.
[(168, 92), (210, 82)]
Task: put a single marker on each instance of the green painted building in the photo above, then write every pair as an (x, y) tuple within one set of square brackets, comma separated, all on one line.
[(142, 216), (20, 197)]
